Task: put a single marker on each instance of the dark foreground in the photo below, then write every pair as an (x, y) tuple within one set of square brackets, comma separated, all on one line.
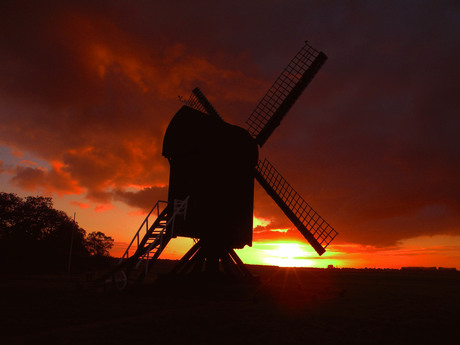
[(289, 306)]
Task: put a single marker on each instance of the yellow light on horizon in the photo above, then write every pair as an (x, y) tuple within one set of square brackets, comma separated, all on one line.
[(260, 221), (288, 254)]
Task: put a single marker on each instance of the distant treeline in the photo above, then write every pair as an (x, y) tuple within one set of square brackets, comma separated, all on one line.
[(35, 237)]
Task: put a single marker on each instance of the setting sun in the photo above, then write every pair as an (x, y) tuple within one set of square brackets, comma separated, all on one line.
[(289, 254)]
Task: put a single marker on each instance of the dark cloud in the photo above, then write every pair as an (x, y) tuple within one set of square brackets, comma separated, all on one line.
[(377, 155), (35, 178), (372, 145), (144, 198)]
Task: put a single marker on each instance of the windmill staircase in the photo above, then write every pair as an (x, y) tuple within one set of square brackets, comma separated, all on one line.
[(148, 243)]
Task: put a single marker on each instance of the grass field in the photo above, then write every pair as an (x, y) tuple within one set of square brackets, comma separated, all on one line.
[(288, 306)]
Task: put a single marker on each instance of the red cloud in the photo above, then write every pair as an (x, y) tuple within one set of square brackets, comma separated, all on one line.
[(97, 104)]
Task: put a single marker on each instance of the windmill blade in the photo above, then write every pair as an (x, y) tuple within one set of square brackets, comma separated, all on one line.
[(284, 92), (313, 227), (199, 102)]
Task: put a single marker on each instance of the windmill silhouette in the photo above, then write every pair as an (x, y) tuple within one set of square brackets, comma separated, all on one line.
[(213, 165)]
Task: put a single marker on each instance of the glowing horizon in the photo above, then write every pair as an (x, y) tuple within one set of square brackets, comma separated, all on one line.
[(295, 253)]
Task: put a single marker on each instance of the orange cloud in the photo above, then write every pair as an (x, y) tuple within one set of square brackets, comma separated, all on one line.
[(137, 213), (103, 208), (82, 205)]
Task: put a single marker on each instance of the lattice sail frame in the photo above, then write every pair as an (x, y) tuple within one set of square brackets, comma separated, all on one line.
[(198, 101), (312, 226), (284, 92)]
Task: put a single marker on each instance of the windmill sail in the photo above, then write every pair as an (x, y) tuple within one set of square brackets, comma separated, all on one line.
[(314, 228), (199, 102), (284, 92)]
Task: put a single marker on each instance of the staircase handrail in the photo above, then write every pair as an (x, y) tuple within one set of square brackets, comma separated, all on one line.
[(182, 209), (157, 206)]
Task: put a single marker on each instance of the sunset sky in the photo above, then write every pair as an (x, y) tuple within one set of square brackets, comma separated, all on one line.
[(88, 88)]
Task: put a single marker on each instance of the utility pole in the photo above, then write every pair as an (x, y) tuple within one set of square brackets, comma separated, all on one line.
[(71, 247)]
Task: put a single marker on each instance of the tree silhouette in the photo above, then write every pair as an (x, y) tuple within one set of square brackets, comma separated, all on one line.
[(98, 243), (35, 236)]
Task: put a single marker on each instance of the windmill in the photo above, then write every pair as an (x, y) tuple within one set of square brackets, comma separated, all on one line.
[(213, 165)]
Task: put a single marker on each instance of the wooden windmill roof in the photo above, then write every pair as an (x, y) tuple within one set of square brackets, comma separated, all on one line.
[(191, 131)]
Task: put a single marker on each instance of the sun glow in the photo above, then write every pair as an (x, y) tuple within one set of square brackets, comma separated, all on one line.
[(289, 254)]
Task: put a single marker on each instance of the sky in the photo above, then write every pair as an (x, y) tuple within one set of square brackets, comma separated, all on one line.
[(88, 88)]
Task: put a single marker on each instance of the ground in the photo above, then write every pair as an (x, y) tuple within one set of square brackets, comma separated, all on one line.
[(287, 306)]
